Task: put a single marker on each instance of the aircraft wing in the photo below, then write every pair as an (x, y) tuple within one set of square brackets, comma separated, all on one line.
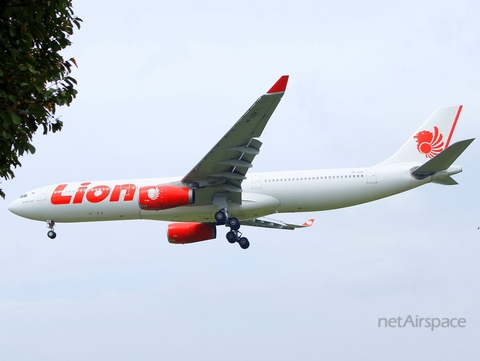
[(227, 163), (271, 223)]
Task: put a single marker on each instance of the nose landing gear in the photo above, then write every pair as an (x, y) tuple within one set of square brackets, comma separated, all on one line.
[(51, 233), (234, 235)]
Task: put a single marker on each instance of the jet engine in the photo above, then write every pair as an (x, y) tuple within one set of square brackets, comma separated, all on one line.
[(190, 232), (156, 198)]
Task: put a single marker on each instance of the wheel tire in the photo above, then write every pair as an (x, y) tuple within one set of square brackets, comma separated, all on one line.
[(220, 217), (244, 243), (231, 237), (51, 234), (234, 223)]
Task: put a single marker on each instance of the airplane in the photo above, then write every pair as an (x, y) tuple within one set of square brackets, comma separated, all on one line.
[(217, 191)]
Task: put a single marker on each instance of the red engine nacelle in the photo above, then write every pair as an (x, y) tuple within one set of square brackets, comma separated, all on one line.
[(156, 198), (189, 232)]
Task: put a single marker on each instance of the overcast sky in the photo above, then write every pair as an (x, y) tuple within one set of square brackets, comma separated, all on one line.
[(159, 84)]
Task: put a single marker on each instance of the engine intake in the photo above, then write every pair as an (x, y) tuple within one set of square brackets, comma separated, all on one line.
[(190, 232), (156, 198)]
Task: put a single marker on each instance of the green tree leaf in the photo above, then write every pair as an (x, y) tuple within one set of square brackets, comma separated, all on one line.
[(15, 118), (31, 148)]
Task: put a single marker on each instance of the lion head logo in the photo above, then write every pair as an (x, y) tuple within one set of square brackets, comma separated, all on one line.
[(428, 143), (153, 193)]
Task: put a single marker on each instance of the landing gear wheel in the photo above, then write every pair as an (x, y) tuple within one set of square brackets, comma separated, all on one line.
[(51, 234), (231, 237), (243, 242), (220, 217), (234, 223)]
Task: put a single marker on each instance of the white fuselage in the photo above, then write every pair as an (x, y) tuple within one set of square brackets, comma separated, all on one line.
[(263, 194)]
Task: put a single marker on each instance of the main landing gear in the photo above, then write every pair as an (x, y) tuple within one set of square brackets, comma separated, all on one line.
[(234, 235), (51, 233)]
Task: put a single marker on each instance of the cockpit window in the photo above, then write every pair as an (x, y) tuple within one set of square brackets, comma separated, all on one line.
[(23, 195)]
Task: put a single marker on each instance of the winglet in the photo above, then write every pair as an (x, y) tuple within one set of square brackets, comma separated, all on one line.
[(280, 85), (308, 223)]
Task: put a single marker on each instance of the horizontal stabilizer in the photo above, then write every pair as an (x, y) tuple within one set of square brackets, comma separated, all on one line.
[(443, 160), (447, 181)]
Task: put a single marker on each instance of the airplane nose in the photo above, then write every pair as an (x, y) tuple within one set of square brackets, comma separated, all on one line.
[(14, 207)]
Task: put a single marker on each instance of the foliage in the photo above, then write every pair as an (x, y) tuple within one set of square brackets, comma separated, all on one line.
[(34, 77)]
